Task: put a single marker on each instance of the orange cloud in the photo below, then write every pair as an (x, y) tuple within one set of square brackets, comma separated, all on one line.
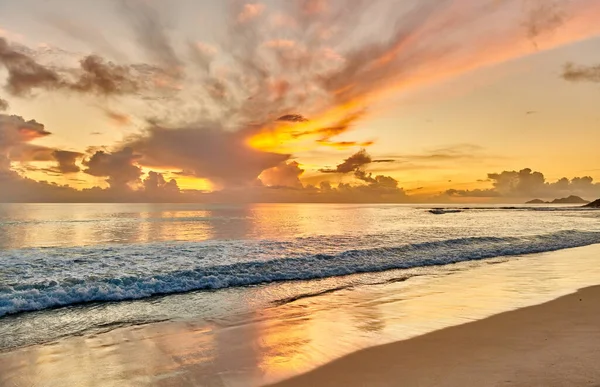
[(250, 11), (436, 43), (118, 118), (284, 136), (345, 144)]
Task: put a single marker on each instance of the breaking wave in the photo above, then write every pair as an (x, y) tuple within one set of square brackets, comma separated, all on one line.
[(97, 280)]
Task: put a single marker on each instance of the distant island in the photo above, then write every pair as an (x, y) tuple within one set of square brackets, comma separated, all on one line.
[(536, 201), (594, 204), (569, 200)]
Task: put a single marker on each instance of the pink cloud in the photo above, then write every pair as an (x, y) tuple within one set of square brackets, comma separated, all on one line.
[(250, 11)]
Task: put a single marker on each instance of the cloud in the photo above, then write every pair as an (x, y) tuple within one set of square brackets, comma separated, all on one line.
[(243, 93), (345, 144), (544, 16), (293, 118), (118, 118), (94, 76), (10, 35), (156, 186), (280, 43), (283, 175), (24, 73), (15, 135), (529, 184), (66, 161), (150, 30), (475, 193), (352, 163), (328, 132), (202, 54), (250, 11), (3, 105), (84, 33), (312, 7), (575, 73), (453, 152), (101, 77), (19, 189), (206, 151), (119, 168), (431, 42)]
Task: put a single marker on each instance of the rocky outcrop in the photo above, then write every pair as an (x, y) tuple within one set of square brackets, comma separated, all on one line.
[(594, 204)]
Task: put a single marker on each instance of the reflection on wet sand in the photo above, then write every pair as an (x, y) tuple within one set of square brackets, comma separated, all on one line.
[(283, 340)]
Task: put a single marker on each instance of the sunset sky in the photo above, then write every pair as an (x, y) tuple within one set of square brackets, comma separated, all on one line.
[(303, 100)]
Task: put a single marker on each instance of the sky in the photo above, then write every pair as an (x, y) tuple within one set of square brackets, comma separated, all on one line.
[(299, 101)]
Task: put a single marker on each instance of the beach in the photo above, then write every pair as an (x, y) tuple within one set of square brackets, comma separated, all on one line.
[(464, 324), (553, 344)]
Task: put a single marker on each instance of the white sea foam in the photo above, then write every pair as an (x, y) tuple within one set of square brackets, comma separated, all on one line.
[(36, 279)]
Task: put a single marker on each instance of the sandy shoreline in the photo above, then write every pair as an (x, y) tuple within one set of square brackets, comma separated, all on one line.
[(552, 344)]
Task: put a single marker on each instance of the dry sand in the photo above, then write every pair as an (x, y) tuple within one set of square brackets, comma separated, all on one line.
[(553, 344)]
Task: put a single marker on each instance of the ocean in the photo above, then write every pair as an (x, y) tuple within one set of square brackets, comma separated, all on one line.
[(80, 269)]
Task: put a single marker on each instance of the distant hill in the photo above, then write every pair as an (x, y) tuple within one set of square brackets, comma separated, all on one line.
[(569, 200), (594, 204), (536, 201)]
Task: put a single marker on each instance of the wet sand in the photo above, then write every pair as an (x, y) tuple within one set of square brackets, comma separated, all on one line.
[(553, 344)]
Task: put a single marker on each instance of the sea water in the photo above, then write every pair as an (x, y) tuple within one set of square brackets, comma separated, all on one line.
[(71, 269)]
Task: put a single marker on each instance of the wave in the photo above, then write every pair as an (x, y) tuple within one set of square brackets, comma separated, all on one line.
[(302, 296), (23, 297)]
